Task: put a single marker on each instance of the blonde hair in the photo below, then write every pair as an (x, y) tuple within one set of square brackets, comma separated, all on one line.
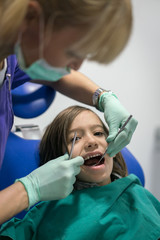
[(108, 23), (12, 13)]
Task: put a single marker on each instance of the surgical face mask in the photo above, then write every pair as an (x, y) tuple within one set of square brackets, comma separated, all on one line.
[(40, 69)]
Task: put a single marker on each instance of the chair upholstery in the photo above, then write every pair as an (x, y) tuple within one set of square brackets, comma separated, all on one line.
[(21, 158), (31, 100), (133, 165)]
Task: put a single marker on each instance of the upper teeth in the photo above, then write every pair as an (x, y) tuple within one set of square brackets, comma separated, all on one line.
[(96, 155)]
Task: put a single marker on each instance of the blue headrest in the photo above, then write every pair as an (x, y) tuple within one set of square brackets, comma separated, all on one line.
[(31, 100), (133, 165), (21, 157)]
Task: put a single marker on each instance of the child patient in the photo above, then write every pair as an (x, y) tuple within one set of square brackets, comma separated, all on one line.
[(108, 205), (90, 144)]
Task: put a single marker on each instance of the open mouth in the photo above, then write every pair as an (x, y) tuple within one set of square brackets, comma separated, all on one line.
[(94, 160)]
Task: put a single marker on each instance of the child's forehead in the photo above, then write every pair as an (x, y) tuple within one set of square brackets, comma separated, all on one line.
[(87, 114), (86, 119)]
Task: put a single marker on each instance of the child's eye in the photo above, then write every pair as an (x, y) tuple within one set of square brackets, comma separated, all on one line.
[(77, 138), (99, 133)]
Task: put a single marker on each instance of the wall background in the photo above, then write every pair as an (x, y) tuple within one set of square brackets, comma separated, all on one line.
[(135, 78)]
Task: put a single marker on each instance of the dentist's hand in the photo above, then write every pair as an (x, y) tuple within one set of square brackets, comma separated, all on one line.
[(116, 115), (52, 181)]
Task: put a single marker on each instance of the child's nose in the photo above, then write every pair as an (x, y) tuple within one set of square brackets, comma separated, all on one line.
[(91, 143)]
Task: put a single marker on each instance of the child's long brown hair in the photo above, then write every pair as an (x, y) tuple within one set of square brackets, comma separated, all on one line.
[(55, 139)]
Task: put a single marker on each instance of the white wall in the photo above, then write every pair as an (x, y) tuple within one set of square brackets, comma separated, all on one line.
[(135, 77)]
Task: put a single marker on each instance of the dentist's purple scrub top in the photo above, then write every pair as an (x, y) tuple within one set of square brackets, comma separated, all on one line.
[(14, 77)]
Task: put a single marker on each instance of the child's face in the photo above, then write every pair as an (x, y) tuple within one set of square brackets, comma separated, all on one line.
[(90, 144)]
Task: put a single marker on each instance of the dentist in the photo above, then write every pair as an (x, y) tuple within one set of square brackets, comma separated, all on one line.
[(51, 39)]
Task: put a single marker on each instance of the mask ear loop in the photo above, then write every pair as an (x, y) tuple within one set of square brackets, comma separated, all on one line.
[(18, 50), (43, 33), (41, 37)]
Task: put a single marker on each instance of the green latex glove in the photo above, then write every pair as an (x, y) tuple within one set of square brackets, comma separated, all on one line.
[(52, 181), (116, 115)]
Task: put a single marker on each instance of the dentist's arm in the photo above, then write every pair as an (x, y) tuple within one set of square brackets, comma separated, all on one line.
[(80, 88), (74, 85), (13, 200), (52, 181)]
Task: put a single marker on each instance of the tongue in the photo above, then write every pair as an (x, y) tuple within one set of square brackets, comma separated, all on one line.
[(91, 162)]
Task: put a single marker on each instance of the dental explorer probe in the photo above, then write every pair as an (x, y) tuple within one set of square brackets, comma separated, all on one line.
[(120, 130), (74, 139)]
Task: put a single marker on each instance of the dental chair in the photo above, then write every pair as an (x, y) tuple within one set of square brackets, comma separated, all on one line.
[(31, 100), (21, 155)]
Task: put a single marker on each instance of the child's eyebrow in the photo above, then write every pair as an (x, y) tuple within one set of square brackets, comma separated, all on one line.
[(97, 125), (80, 129), (75, 130)]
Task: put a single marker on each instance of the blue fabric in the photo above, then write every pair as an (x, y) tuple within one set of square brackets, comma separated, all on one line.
[(17, 78), (21, 157), (133, 165), (121, 210), (31, 100)]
